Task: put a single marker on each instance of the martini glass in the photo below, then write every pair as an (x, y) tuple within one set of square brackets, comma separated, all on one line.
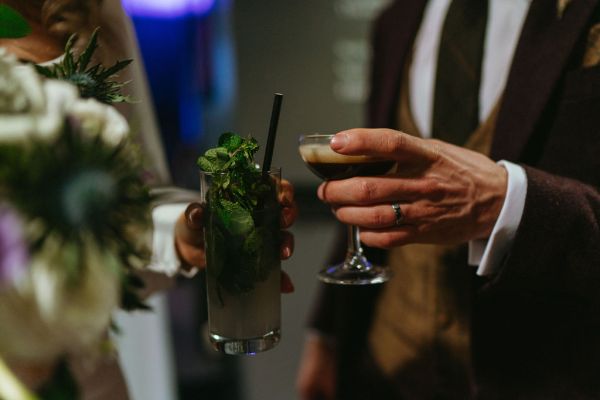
[(329, 165)]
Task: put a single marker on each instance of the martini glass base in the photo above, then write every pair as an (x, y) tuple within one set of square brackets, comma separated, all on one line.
[(341, 274)]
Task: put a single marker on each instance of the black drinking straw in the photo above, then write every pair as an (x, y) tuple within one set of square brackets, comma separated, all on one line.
[(272, 132)]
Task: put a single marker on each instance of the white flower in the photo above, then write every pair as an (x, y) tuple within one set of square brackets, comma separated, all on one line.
[(30, 106), (19, 88), (96, 117), (50, 313), (33, 107), (63, 302)]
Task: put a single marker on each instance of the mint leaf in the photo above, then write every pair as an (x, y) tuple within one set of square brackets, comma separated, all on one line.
[(230, 141), (235, 218), (205, 164), (12, 24), (214, 159), (243, 215), (253, 243)]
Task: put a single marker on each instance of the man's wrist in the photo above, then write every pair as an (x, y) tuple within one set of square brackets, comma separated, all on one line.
[(488, 253)]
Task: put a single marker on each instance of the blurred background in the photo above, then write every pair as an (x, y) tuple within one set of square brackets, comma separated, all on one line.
[(213, 66)]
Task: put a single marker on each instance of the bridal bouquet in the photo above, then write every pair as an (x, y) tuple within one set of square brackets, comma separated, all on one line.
[(74, 211)]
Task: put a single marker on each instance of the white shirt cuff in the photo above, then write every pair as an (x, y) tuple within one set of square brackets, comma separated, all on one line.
[(488, 253), (164, 255)]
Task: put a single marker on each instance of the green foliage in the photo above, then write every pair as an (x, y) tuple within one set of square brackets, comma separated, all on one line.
[(12, 24), (130, 300), (242, 229), (235, 218), (236, 177), (62, 385), (92, 81)]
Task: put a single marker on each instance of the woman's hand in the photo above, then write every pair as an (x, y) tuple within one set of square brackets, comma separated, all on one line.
[(316, 378), (189, 238), (447, 194)]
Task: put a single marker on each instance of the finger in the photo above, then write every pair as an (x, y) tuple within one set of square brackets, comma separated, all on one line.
[(193, 216), (287, 245), (384, 143), (376, 190), (286, 194), (286, 283), (191, 255), (288, 216), (189, 236), (374, 217), (190, 225), (289, 210), (388, 238)]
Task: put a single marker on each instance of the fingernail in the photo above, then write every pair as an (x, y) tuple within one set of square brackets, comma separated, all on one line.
[(193, 215), (286, 253), (321, 192), (339, 141)]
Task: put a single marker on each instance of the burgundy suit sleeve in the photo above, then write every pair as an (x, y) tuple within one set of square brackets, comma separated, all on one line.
[(557, 245)]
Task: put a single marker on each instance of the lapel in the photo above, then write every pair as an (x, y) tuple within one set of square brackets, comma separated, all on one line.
[(397, 29), (540, 57)]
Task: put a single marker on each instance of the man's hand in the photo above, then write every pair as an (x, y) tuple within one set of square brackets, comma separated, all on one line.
[(189, 237), (447, 194)]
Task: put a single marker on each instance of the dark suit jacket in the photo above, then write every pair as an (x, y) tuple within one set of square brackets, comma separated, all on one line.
[(536, 324)]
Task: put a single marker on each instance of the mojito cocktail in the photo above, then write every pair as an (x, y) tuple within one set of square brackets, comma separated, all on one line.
[(242, 238)]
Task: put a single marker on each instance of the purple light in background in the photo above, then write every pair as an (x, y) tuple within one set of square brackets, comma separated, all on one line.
[(167, 8)]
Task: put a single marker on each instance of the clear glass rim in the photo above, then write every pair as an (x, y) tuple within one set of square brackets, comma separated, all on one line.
[(316, 136)]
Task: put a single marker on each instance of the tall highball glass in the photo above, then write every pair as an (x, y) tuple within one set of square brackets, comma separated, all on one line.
[(243, 268)]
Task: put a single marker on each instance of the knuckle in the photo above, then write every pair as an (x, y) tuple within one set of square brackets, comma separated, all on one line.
[(435, 149), (366, 190), (286, 198), (378, 218), (433, 189), (360, 138), (288, 188), (394, 142), (387, 241), (288, 216)]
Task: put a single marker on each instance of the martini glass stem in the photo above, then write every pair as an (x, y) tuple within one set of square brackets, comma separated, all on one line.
[(355, 259)]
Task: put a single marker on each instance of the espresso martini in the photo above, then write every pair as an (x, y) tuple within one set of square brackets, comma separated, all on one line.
[(329, 165)]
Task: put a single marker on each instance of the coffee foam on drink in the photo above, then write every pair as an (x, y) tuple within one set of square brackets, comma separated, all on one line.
[(323, 154)]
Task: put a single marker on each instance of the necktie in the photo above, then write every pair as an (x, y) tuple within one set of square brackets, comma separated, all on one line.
[(456, 98)]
